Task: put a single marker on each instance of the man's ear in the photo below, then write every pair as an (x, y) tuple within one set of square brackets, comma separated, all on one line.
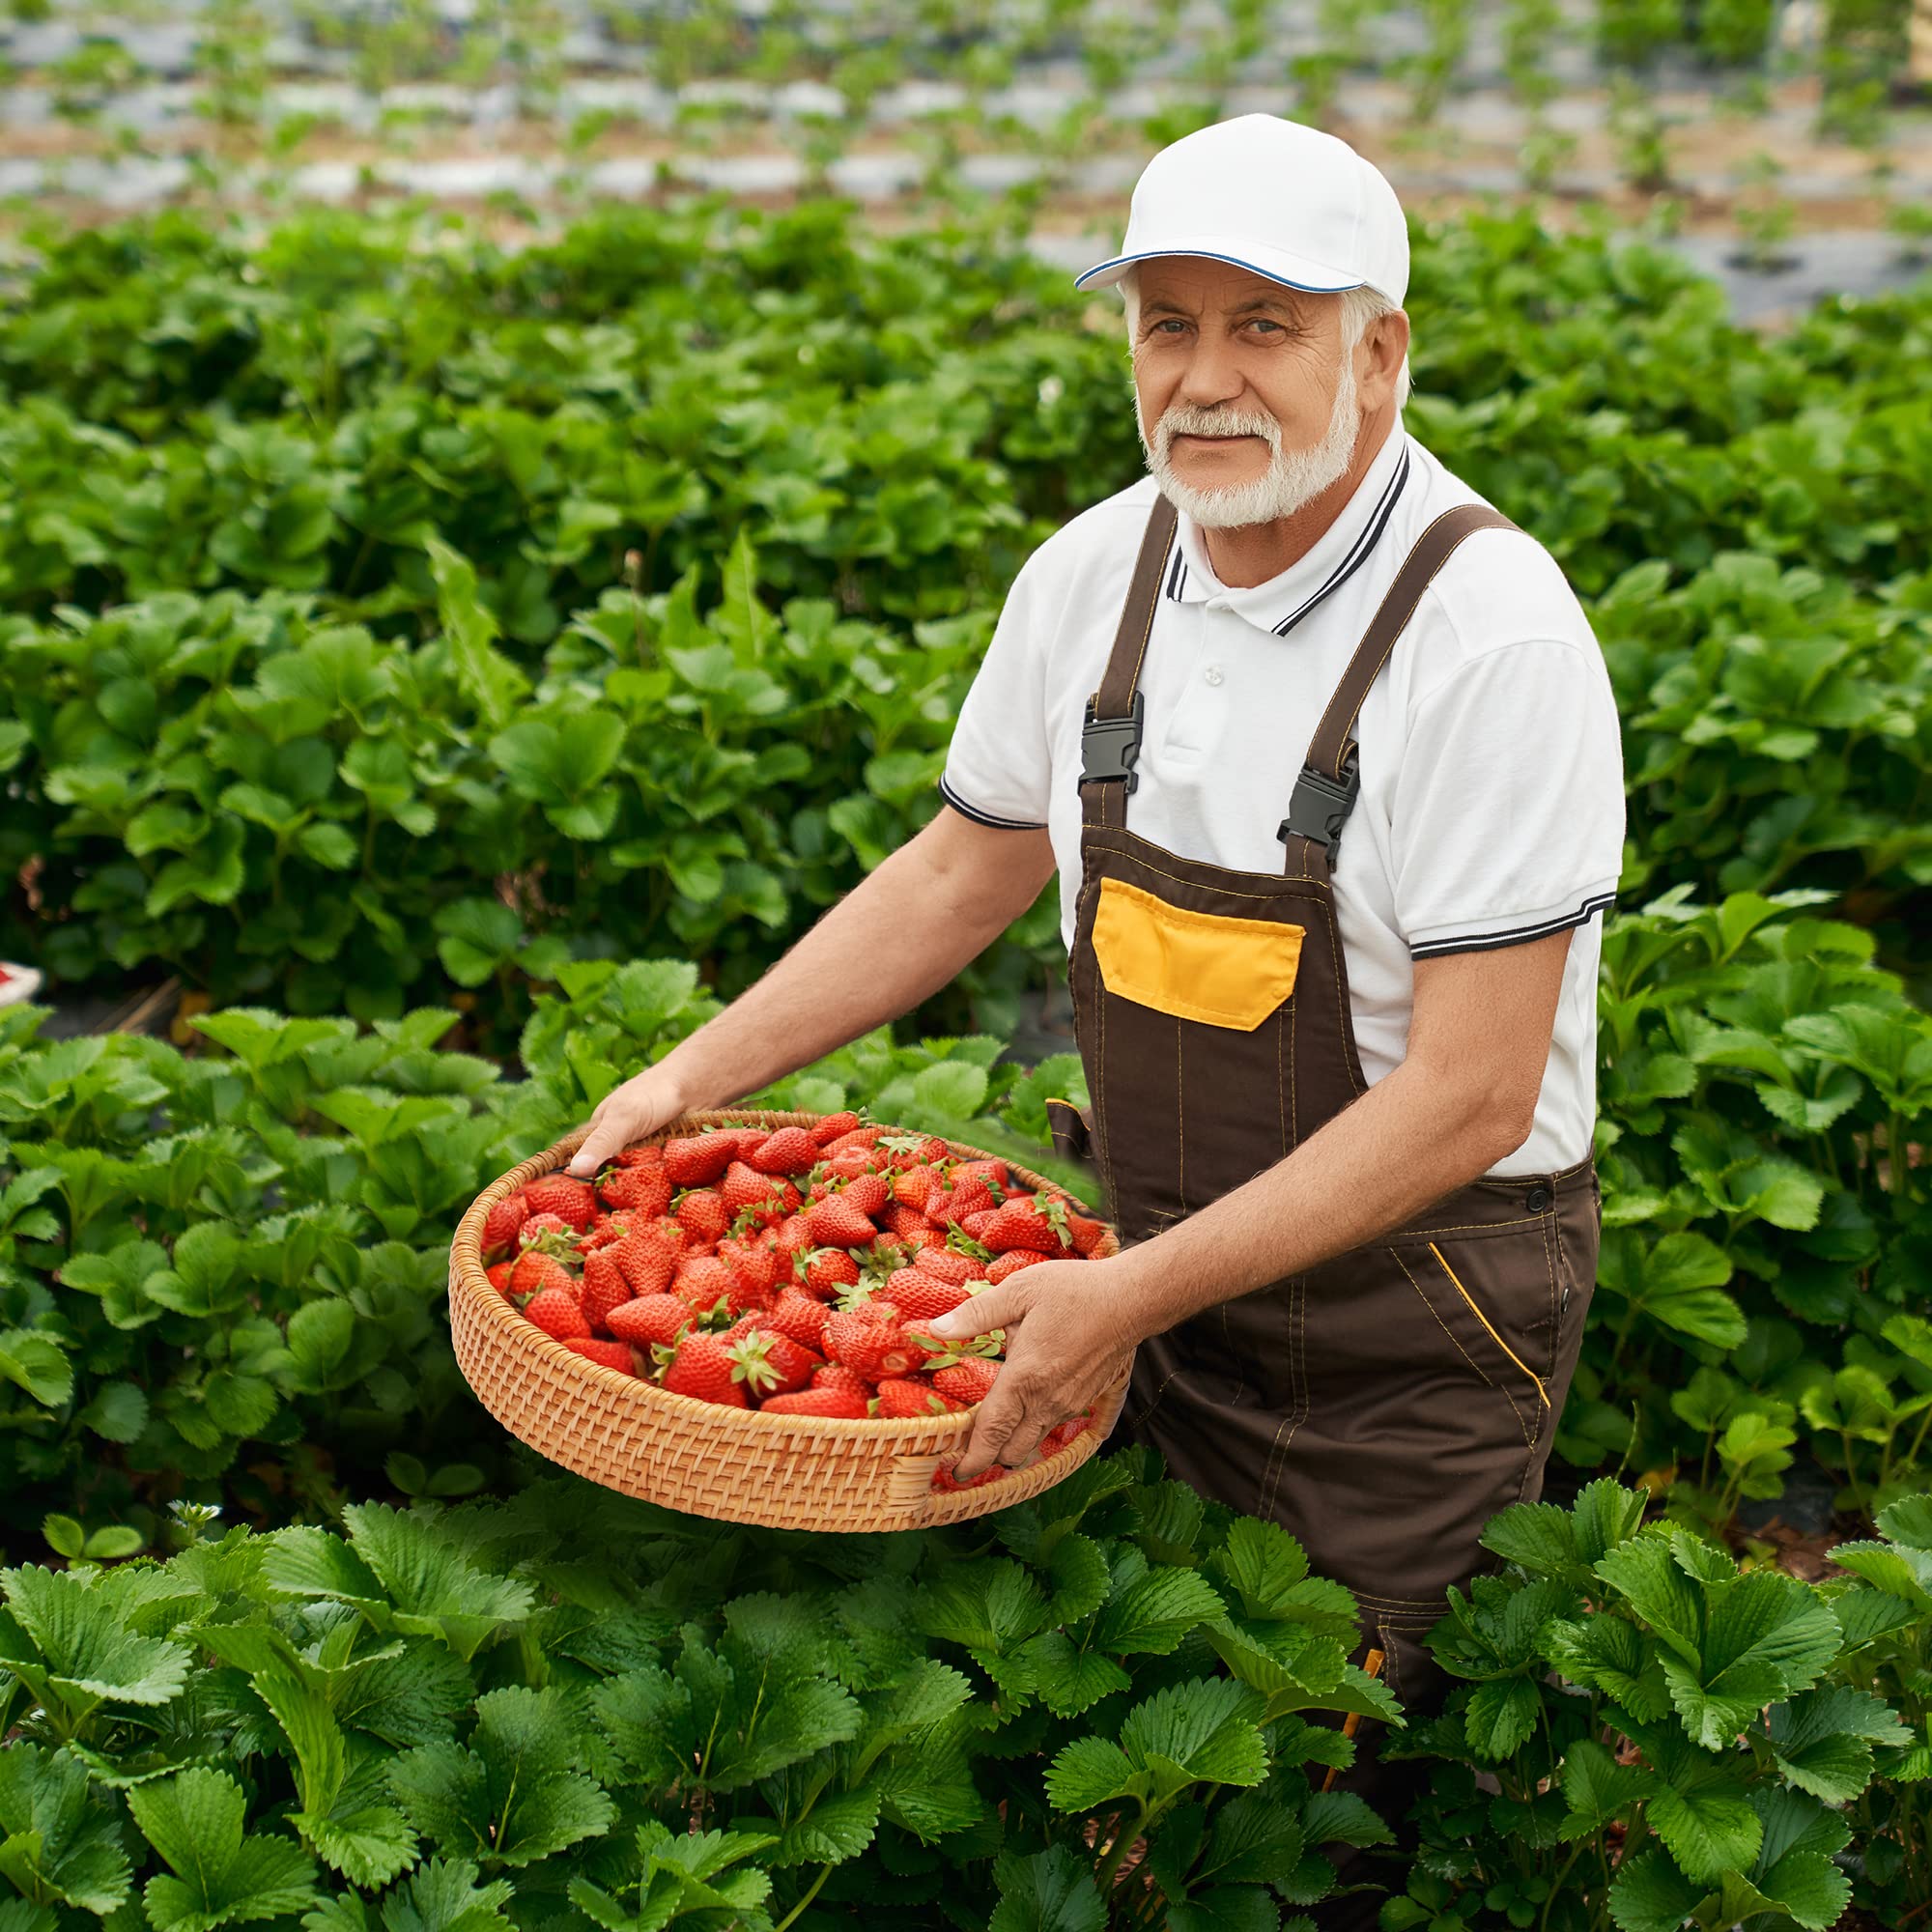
[(1386, 340)]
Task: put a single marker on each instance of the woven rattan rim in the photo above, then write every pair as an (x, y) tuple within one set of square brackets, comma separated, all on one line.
[(501, 1330)]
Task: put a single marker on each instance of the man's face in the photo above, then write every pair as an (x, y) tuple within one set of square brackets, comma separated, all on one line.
[(1251, 399)]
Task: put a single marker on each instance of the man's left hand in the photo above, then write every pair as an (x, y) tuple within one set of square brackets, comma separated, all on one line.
[(1067, 1349)]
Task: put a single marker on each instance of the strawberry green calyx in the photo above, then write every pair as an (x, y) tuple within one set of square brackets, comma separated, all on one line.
[(980, 1348), (751, 1365), (1053, 1211), (963, 1243)]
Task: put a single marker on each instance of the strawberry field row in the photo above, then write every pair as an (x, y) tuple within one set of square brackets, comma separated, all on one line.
[(1113, 1706), (389, 615), (223, 1273)]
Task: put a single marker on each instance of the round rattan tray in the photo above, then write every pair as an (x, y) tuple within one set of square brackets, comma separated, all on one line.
[(787, 1471)]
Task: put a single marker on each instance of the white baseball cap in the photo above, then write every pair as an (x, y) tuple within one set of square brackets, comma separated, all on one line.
[(1287, 201)]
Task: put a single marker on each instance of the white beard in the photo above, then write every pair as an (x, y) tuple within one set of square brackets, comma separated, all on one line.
[(1294, 478)]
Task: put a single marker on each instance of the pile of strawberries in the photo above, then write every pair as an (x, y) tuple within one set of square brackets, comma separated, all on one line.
[(784, 1269)]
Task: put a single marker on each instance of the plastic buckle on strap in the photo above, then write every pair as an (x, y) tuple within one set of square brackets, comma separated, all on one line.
[(1320, 806), (1111, 746)]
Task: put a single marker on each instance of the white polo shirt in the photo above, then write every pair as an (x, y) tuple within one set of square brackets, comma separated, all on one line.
[(1491, 804)]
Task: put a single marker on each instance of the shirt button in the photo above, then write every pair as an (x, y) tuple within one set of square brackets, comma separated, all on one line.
[(1538, 1201), (1212, 673)]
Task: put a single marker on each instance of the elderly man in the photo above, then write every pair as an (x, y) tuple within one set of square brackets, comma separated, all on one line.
[(1325, 757)]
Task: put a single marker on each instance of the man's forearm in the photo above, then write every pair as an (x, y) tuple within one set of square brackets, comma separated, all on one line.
[(864, 963), (1407, 1142)]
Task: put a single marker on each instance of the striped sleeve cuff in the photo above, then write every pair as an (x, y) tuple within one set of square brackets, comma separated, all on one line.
[(978, 818), (1514, 930)]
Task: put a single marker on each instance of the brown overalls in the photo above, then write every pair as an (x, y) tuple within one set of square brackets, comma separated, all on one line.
[(1385, 1405)]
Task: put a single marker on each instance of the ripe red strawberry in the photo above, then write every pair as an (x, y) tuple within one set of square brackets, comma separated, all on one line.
[(770, 1197), (793, 1235), (610, 1354), (848, 1163), (920, 1298), (838, 1222), (701, 1366), (498, 1277), (605, 1231), (867, 1138), (945, 1482), (1086, 1232), (922, 1187), (841, 1404), (970, 1197), (1012, 1261), (702, 1281), (899, 1399), (975, 1225), (555, 1312), (783, 1150), (993, 1171), (837, 1376), (561, 1194), (831, 1126), (824, 1272), (948, 1264), (905, 1223), (1023, 1224), (647, 1189), (873, 1346), (1062, 1434), (604, 1289), (499, 1228), (702, 1217), (696, 1158), (869, 1193), (638, 1157), (928, 1237), (797, 1316), (772, 1364), (535, 1272), (537, 1226), (757, 1264), (968, 1380), (650, 1319), (649, 1254)]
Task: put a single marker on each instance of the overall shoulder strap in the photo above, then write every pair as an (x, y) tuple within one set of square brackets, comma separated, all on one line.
[(1110, 739), (1325, 792)]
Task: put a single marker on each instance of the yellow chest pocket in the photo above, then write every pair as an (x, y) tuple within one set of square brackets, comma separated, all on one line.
[(1195, 965)]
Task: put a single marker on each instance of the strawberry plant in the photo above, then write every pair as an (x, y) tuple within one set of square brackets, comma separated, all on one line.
[(572, 1704), (1646, 1736)]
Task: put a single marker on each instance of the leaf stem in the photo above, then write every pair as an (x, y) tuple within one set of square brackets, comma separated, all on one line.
[(811, 1893)]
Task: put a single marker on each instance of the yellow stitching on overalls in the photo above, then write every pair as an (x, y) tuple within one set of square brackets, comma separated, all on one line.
[(1465, 1227), (1417, 1603), (1542, 1393), (1464, 1353), (1298, 1331), (1180, 1123), (1228, 892), (1280, 1078), (1343, 1006)]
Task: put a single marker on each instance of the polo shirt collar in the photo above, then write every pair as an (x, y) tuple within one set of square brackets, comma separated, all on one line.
[(1287, 598)]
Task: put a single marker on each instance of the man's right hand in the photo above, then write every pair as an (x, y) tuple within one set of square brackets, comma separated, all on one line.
[(626, 1114)]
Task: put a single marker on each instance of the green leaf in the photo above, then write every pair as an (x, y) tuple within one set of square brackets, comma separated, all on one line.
[(1152, 1614), (1650, 1894), (86, 1645), (1598, 1788), (510, 1798), (1050, 1891), (37, 1364), (1707, 1827), (195, 1820), (1500, 1715), (62, 1847)]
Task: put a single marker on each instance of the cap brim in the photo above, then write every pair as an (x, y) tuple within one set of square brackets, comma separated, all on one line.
[(1294, 271)]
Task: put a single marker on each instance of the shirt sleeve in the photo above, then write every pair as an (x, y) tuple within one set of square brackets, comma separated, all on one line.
[(999, 769), (1508, 813)]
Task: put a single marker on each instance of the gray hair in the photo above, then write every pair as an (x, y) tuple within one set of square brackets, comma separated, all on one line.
[(1360, 307)]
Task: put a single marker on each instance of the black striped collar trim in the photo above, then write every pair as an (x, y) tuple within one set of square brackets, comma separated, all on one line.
[(1358, 554)]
